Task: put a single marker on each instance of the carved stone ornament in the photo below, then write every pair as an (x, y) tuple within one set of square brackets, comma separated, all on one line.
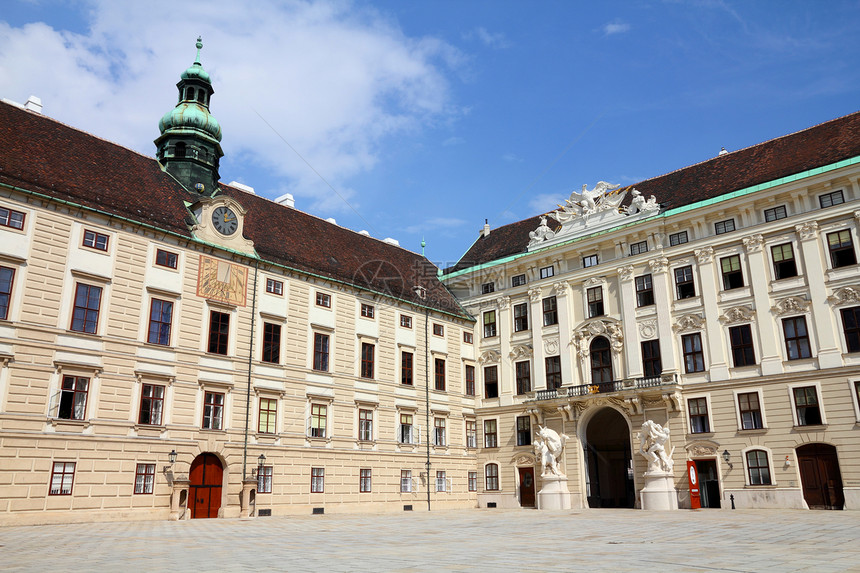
[(581, 338), (503, 302), (648, 329), (541, 234), (659, 265), (490, 357), (520, 352), (705, 255), (549, 447), (625, 273), (652, 446), (845, 295), (790, 305), (753, 243), (808, 230), (857, 215), (559, 288), (550, 346), (701, 450), (588, 202), (524, 460), (688, 322), (737, 314), (534, 294), (640, 205), (594, 281)]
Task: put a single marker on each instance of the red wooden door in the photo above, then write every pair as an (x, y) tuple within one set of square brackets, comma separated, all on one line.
[(206, 478), (527, 487)]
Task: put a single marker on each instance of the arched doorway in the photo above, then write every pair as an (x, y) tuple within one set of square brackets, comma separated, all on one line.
[(820, 476), (206, 479), (608, 462), (601, 361)]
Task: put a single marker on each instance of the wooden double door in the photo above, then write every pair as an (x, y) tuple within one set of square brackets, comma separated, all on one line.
[(206, 480), (527, 487), (820, 476)]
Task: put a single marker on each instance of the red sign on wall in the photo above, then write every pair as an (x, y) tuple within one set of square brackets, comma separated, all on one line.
[(693, 477)]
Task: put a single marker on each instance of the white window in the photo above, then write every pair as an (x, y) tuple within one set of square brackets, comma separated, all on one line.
[(775, 213), (406, 430), (590, 261), (405, 481), (367, 310), (638, 248), (678, 238), (487, 288), (441, 482), (831, 199), (547, 272), (726, 226), (518, 280)]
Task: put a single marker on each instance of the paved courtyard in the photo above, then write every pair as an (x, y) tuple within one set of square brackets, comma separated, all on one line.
[(464, 540)]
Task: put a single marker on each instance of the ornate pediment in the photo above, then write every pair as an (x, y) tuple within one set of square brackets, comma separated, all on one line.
[(845, 295), (688, 322), (520, 352), (581, 337), (790, 305), (702, 448), (490, 357), (737, 314)]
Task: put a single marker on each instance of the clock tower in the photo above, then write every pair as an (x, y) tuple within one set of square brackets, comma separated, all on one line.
[(189, 146)]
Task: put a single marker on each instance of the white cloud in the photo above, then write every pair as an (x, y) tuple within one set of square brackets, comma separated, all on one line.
[(512, 158), (545, 202), (331, 78), (488, 38), (615, 27), (453, 141)]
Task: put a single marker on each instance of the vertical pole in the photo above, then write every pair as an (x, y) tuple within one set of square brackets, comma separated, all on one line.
[(250, 363), (427, 394)]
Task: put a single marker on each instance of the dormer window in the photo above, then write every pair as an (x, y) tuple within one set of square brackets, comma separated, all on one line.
[(179, 150)]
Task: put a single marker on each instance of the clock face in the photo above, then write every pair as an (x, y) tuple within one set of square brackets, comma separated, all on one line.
[(225, 220)]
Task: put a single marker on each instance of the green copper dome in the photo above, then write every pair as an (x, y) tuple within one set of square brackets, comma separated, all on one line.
[(192, 116), (196, 70)]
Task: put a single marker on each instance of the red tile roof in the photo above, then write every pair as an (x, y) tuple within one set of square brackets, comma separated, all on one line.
[(816, 146), (41, 155)]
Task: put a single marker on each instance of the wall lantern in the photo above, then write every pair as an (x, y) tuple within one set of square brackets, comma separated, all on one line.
[(171, 457), (261, 460), (726, 457)]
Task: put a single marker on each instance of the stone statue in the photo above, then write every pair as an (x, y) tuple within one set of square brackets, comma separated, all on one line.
[(652, 445), (640, 205), (541, 234), (548, 450), (587, 202)]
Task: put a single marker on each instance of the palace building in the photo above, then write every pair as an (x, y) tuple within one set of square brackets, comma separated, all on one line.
[(173, 347)]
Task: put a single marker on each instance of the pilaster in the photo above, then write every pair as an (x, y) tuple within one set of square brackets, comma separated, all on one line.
[(663, 296), (708, 282), (829, 354), (632, 354), (768, 335)]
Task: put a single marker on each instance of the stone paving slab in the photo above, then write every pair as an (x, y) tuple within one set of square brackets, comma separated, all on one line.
[(463, 540)]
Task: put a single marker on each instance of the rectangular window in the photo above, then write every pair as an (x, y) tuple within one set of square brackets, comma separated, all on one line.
[(491, 436), (95, 240), (62, 478), (553, 372), (367, 351), (405, 481), (319, 414), (144, 478), (321, 352), (678, 238), (6, 277), (841, 249), (595, 301), (85, 317), (406, 436), (524, 431), (796, 338), (473, 481), (12, 219), (367, 310), (489, 324), (467, 337), (694, 358), (726, 226), (684, 286), (151, 405), (470, 380), (405, 321), (471, 434), (267, 424), (638, 248), (213, 411), (547, 272), (524, 377), (274, 287), (491, 473), (518, 280), (652, 366), (406, 368), (750, 410), (365, 425), (806, 405), (160, 320), (323, 300), (521, 317), (317, 480), (644, 291), (439, 432), (264, 479), (441, 482), (219, 332), (440, 374), (491, 382), (73, 398), (759, 472), (438, 329), (733, 276), (851, 328), (831, 199), (589, 261), (271, 342), (775, 213), (487, 288), (784, 265), (550, 311), (743, 353), (698, 415), (364, 480), (166, 259)]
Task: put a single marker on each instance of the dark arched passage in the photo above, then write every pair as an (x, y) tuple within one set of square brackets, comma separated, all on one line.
[(609, 477)]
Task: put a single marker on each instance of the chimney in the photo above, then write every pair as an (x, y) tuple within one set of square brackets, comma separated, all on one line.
[(486, 230), (723, 151), (34, 104), (242, 187), (391, 241), (287, 200)]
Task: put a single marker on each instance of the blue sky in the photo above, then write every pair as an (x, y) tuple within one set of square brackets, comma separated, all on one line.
[(421, 119)]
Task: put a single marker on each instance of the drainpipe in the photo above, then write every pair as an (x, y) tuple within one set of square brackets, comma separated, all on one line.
[(250, 364), (427, 394)]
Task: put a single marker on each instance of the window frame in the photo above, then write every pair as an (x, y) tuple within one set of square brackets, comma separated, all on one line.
[(268, 415), (800, 421), (829, 199), (774, 214), (271, 346), (472, 481), (402, 426), (365, 480), (264, 479), (491, 438), (144, 481), (368, 362), (323, 299), (693, 353), (405, 321), (749, 467), (83, 322), (469, 376), (851, 336), (487, 288), (441, 481), (742, 345), (218, 339), (678, 238), (491, 477), (159, 330), (152, 400), (594, 301), (274, 286), (6, 295), (644, 285), (518, 280), (471, 429), (64, 471), (733, 278), (317, 480), (321, 352), (524, 430), (521, 317), (70, 398), (589, 261), (468, 338), (406, 481), (213, 410), (553, 375), (684, 282), (491, 381), (439, 374), (638, 248), (98, 241), (784, 268), (318, 421), (523, 377), (803, 351), (407, 362), (438, 329), (842, 249), (756, 415), (700, 422), (547, 272), (652, 366), (365, 425), (164, 258), (726, 226), (367, 311), (440, 433), (8, 219), (550, 316), (490, 328)]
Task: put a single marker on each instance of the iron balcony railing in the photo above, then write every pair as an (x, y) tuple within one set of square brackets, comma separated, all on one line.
[(606, 387)]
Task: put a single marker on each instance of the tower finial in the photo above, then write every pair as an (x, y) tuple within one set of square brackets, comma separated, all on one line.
[(199, 45), (423, 244)]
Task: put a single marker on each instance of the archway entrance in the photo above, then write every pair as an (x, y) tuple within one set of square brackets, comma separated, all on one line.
[(608, 463), (206, 479), (820, 476)]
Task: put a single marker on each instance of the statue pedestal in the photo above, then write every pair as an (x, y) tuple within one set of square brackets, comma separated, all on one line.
[(659, 493), (554, 493)]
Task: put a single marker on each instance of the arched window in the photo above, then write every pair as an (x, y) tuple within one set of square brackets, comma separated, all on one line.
[(491, 472), (757, 467), (601, 361), (189, 94), (180, 150), (201, 96)]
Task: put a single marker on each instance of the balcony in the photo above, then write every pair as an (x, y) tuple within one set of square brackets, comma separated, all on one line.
[(606, 387)]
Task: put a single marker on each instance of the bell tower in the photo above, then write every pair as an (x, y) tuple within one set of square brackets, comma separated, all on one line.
[(189, 146)]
